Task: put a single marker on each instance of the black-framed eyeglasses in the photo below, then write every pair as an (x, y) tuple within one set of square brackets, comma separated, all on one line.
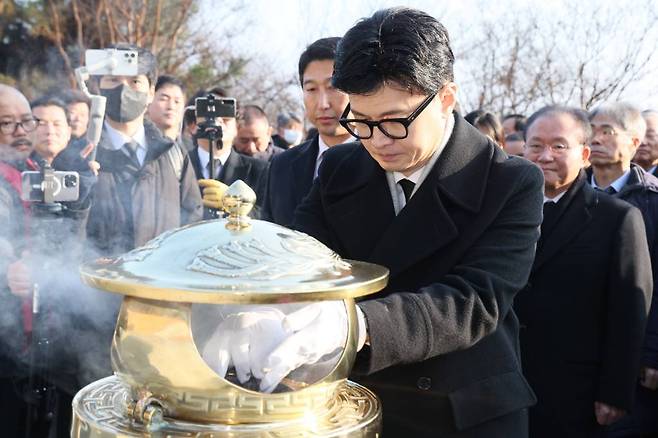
[(394, 128), (28, 125)]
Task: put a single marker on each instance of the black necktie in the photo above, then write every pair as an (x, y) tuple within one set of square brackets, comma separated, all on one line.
[(407, 188), (549, 208)]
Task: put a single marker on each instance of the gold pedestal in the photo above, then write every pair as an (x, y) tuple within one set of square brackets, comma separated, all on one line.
[(99, 412)]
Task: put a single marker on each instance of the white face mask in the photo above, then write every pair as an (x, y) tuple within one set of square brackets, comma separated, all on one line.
[(292, 136)]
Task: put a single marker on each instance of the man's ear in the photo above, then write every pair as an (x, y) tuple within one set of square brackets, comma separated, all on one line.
[(448, 97)]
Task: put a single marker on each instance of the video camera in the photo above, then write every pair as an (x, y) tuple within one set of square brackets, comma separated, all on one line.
[(211, 108)]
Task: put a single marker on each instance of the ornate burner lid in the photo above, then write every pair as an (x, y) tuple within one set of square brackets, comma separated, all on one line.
[(235, 260)]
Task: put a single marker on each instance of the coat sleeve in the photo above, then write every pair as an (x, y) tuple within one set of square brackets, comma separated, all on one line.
[(190, 202), (470, 301), (629, 293)]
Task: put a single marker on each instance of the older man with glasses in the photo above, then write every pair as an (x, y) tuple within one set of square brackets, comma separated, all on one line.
[(618, 131)]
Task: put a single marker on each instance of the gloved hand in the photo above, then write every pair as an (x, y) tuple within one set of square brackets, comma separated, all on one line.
[(213, 192), (245, 339), (311, 332)]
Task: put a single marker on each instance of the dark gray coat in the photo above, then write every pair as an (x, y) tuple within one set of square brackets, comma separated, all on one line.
[(132, 204)]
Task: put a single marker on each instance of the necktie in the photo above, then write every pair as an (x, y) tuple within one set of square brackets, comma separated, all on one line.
[(549, 207), (218, 168), (131, 148), (407, 188)]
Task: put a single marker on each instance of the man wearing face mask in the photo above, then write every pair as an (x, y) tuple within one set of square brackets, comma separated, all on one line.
[(145, 185), (289, 131)]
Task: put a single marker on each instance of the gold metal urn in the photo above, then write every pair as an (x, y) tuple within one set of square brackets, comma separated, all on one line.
[(178, 288)]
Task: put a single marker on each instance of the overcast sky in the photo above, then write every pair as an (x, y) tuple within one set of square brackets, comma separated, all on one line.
[(278, 31)]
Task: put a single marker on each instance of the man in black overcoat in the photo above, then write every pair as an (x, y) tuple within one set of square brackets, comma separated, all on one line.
[(451, 215), (292, 173), (584, 309)]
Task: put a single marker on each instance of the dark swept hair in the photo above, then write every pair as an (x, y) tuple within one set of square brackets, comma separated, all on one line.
[(146, 63), (520, 121), (74, 96), (320, 50), (579, 116), (397, 45), (488, 123), (50, 100), (250, 113), (169, 80)]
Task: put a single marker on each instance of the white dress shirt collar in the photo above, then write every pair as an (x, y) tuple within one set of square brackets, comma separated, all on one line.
[(322, 148), (555, 199), (118, 139), (419, 175), (204, 159), (617, 184)]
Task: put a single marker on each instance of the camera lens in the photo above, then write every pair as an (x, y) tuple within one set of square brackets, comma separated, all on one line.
[(70, 181)]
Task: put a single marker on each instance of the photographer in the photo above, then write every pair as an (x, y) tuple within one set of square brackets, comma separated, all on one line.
[(46, 368), (229, 165), (145, 184)]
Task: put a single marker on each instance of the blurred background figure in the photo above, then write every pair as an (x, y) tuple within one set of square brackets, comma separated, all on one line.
[(514, 123), (289, 131), (255, 134), (514, 144), (166, 110), (647, 153), (488, 124), (77, 104)]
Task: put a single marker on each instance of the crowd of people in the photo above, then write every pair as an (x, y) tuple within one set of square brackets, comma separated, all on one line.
[(500, 318)]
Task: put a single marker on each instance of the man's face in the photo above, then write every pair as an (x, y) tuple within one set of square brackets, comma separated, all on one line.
[(424, 134), (14, 108), (324, 104), (508, 126), (253, 137), (647, 152), (514, 147), (555, 143), (166, 110), (79, 115), (53, 131), (610, 143), (137, 83)]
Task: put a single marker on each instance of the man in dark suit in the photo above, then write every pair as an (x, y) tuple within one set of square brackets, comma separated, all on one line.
[(292, 172), (230, 165), (453, 218), (647, 153), (584, 309)]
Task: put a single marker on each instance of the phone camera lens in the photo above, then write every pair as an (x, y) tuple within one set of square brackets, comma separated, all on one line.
[(70, 181)]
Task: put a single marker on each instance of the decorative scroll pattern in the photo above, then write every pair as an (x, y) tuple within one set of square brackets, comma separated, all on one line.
[(141, 253), (298, 254), (99, 412)]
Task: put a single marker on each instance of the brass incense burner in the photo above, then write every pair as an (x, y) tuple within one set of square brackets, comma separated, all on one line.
[(177, 289)]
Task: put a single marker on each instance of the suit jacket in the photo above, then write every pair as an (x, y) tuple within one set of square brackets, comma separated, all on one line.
[(250, 170), (583, 311), (290, 179), (444, 353)]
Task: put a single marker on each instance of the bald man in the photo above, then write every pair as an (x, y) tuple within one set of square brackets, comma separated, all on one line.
[(15, 123), (255, 134)]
